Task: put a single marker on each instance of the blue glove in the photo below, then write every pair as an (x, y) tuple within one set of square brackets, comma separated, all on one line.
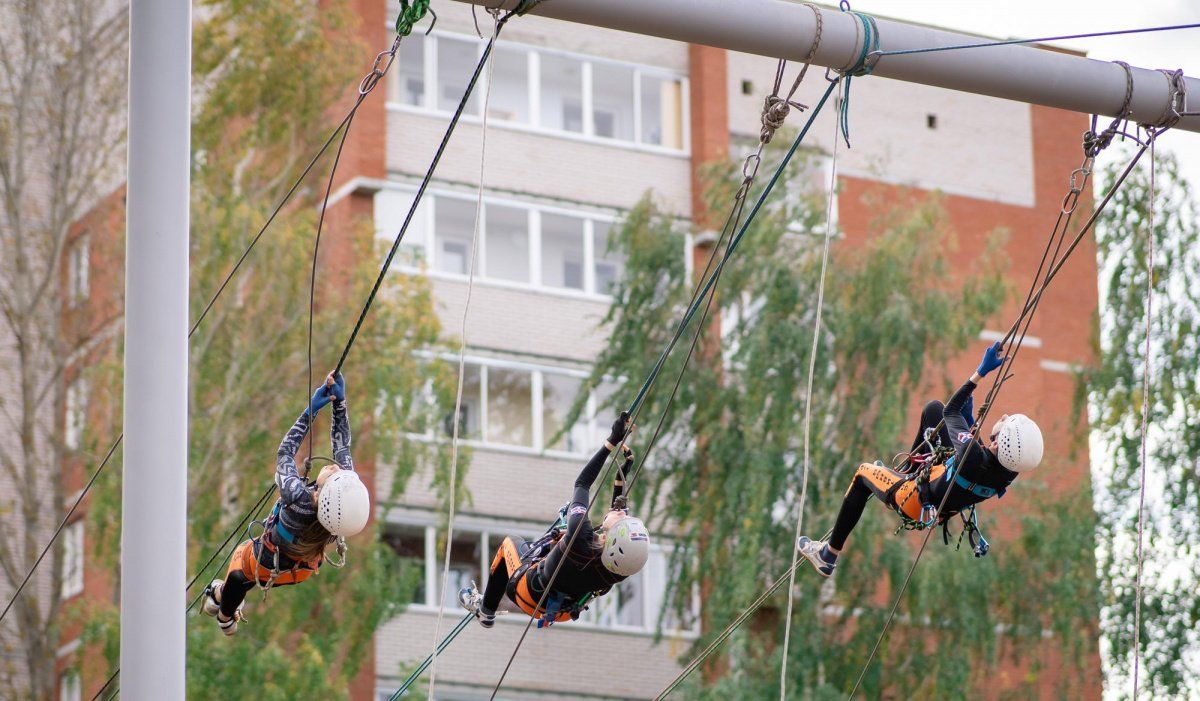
[(338, 388), (968, 411), (320, 398), (991, 359)]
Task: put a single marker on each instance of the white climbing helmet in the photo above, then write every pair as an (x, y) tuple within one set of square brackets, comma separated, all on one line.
[(626, 547), (1019, 443), (344, 505)]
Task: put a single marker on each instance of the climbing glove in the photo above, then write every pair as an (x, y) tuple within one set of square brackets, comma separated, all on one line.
[(338, 388), (991, 359), (620, 429), (320, 398)]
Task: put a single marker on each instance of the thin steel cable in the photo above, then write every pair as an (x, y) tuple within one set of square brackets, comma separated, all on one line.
[(875, 55), (462, 365), (704, 290), (312, 288), (110, 680), (812, 371), (1137, 601), (437, 158), (1000, 378), (195, 325)]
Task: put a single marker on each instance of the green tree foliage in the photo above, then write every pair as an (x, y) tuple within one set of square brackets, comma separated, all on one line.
[(725, 476), (265, 72), (1114, 390)]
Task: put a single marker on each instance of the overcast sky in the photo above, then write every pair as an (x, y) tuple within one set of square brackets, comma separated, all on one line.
[(1036, 18)]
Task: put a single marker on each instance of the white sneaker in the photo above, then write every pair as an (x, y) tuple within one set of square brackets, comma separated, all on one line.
[(211, 601), (228, 625), (471, 600)]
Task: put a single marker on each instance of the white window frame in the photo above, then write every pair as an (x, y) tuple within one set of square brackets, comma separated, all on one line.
[(78, 262), (426, 217), (76, 413), (73, 559), (534, 125), (593, 619), (537, 373), (70, 686)]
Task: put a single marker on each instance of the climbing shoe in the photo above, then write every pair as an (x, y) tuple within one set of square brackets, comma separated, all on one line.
[(817, 553)]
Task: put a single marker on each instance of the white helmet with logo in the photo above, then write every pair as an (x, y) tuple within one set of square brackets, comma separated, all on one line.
[(626, 547), (1019, 443), (344, 505)]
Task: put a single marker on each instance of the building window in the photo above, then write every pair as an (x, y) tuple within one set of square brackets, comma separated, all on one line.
[(613, 103), (545, 248), (607, 263), (69, 687), (545, 90), (509, 101), (524, 406), (456, 59), (77, 271), (76, 410), (72, 570), (662, 112), (635, 605), (562, 252), (409, 86)]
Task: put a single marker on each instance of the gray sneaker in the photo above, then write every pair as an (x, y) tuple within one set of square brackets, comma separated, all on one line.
[(813, 551)]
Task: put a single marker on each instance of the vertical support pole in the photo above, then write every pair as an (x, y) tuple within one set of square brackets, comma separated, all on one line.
[(154, 493)]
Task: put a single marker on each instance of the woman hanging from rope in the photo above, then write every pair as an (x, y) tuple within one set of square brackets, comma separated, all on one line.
[(588, 560), (307, 518), (939, 461)]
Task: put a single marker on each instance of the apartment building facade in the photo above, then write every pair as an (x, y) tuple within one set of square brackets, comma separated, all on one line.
[(581, 124)]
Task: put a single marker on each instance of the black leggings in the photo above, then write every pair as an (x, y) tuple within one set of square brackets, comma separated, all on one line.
[(855, 501), (234, 592)]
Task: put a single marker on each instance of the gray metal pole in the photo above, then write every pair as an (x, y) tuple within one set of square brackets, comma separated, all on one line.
[(154, 492), (784, 29)]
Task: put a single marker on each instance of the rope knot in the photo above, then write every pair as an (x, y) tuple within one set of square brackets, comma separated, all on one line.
[(775, 111)]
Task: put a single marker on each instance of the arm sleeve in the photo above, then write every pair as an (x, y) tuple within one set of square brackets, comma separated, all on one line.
[(291, 485), (956, 425), (577, 516), (339, 435)]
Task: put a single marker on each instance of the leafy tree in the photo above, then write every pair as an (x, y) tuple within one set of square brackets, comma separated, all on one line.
[(725, 476), (1113, 390), (265, 72), (61, 125)]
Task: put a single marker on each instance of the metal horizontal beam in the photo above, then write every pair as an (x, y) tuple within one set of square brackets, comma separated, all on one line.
[(784, 29)]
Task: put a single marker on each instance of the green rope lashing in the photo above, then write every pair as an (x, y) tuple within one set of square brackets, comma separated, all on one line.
[(861, 67), (411, 12)]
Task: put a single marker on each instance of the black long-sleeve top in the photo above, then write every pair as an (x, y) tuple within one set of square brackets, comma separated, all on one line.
[(582, 571), (975, 463), (297, 508)]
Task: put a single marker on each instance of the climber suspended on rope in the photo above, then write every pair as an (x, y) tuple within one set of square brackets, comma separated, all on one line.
[(307, 518), (943, 457), (589, 560)]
